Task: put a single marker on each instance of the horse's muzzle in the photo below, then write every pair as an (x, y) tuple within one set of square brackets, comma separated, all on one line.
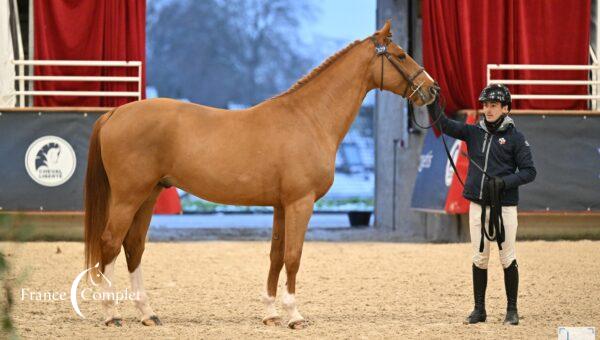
[(434, 91)]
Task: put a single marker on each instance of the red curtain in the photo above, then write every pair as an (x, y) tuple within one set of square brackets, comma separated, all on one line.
[(94, 30), (460, 37), (89, 30)]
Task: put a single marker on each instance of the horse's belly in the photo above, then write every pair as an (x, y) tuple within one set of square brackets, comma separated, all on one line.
[(225, 188), (236, 197)]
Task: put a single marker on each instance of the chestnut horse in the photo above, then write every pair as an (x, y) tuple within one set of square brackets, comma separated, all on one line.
[(279, 153)]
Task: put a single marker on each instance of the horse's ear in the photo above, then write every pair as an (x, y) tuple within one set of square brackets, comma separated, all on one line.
[(384, 32)]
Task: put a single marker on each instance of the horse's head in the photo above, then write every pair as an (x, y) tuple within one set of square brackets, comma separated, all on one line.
[(394, 70)]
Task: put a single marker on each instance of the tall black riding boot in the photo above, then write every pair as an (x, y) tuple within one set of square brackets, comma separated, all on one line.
[(479, 285), (511, 283)]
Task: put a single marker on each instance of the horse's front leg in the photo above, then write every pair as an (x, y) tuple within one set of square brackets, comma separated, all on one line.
[(277, 247), (297, 215)]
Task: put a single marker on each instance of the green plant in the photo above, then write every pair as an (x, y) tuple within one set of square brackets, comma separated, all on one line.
[(6, 297)]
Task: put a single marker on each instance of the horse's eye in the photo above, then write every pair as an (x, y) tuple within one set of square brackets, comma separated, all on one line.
[(402, 56)]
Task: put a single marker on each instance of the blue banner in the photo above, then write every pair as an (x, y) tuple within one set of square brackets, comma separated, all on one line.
[(434, 174)]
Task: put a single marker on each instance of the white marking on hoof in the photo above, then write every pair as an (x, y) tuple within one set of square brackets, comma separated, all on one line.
[(109, 303), (271, 310), (141, 298), (289, 303)]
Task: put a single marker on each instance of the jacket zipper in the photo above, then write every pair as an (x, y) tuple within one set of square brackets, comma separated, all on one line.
[(485, 164), (484, 141)]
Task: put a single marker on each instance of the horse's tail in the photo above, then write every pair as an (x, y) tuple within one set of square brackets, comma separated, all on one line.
[(96, 195)]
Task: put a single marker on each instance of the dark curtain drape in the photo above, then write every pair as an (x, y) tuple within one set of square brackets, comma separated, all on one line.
[(89, 30), (460, 37)]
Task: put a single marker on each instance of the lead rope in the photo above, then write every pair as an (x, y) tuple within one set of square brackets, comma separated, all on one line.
[(439, 126), (496, 231)]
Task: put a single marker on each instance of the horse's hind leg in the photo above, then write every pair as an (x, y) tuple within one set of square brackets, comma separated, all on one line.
[(277, 248), (134, 245), (124, 203)]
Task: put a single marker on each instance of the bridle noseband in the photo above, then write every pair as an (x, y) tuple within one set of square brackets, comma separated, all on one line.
[(382, 51)]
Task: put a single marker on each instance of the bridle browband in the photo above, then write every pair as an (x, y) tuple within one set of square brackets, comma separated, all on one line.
[(382, 51)]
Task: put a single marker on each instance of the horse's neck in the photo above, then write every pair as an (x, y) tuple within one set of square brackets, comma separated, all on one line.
[(332, 99)]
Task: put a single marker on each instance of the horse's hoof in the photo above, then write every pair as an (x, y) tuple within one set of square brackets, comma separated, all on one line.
[(273, 321), (114, 322), (152, 321), (298, 324)]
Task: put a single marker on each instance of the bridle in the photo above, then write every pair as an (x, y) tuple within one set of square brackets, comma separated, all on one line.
[(382, 51)]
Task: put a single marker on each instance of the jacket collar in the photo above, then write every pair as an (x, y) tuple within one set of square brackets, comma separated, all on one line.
[(503, 127)]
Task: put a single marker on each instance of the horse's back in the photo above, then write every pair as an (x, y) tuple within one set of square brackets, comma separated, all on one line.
[(135, 137), (227, 156)]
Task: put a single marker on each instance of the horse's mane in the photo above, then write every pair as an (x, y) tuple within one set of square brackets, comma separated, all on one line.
[(317, 70)]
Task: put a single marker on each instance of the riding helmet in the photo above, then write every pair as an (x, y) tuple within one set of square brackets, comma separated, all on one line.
[(496, 93)]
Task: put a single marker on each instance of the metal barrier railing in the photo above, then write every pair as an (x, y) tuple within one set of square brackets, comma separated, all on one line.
[(593, 97), (22, 92)]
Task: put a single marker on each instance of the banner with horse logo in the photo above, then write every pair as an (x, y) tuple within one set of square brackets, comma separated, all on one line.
[(44, 156)]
